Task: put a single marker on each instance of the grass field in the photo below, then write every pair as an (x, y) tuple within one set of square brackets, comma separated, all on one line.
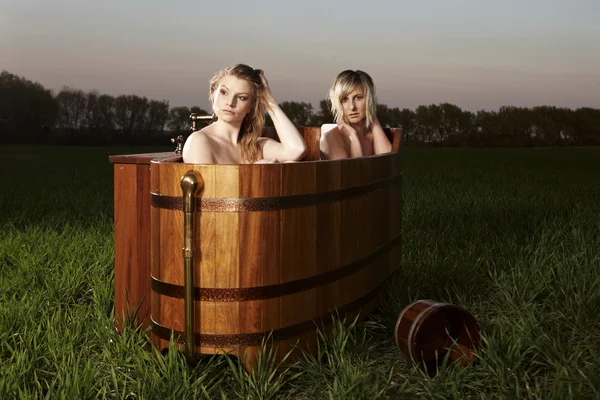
[(512, 235)]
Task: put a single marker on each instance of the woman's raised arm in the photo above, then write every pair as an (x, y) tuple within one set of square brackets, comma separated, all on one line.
[(291, 145), (381, 143)]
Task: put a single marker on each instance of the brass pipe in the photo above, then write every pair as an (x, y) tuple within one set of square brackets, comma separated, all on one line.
[(189, 185), (194, 118)]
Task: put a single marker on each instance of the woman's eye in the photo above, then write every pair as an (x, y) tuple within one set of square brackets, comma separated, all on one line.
[(243, 98), (358, 98), (345, 100), (223, 91)]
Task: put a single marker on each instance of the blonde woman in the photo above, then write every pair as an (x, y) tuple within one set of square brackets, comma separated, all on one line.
[(357, 132), (240, 95)]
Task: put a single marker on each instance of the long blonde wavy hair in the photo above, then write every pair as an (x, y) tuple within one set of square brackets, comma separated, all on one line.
[(254, 122)]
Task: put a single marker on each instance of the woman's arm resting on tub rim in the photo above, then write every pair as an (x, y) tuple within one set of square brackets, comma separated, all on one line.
[(198, 149), (291, 148), (381, 144)]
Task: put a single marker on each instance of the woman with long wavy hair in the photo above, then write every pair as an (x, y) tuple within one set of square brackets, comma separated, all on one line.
[(240, 96)]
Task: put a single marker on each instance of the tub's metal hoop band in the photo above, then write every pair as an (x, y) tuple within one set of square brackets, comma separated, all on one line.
[(257, 338), (274, 203), (271, 291)]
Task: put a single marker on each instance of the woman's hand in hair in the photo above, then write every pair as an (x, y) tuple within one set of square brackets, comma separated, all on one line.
[(291, 145), (268, 95)]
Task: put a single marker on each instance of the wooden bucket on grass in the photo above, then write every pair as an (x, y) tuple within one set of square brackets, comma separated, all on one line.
[(427, 330)]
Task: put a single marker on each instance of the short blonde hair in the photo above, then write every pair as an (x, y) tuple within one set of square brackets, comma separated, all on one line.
[(254, 122), (344, 84)]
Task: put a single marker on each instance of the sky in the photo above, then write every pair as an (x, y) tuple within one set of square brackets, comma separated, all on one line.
[(475, 54)]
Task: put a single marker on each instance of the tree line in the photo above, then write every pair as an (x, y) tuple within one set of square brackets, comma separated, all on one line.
[(30, 113)]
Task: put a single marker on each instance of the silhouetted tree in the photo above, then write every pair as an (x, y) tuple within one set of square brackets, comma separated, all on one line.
[(198, 111), (26, 109), (587, 122), (406, 119), (323, 115), (385, 115), (554, 126), (92, 111), (72, 108), (106, 112), (300, 113), (130, 114), (455, 124), (424, 133), (157, 116), (179, 119), (483, 126)]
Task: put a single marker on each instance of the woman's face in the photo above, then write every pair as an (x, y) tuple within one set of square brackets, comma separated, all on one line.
[(232, 99), (355, 106)]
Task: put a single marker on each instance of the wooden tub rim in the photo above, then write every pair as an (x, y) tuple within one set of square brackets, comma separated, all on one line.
[(177, 159), (396, 150), (274, 203)]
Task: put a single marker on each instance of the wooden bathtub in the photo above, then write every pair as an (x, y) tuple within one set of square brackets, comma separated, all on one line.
[(279, 248)]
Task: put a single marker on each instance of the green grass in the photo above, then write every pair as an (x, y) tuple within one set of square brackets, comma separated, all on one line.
[(512, 235)]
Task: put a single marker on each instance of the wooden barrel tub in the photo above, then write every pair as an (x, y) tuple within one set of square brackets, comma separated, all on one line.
[(279, 248)]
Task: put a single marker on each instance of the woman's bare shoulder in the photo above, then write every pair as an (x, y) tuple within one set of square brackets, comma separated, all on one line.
[(330, 133), (199, 147), (328, 129), (202, 134), (204, 137)]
